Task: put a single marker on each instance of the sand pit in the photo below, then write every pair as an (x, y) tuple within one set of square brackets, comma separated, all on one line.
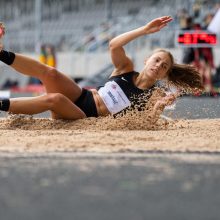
[(25, 134)]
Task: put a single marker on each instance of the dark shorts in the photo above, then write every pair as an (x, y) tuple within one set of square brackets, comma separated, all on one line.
[(87, 104)]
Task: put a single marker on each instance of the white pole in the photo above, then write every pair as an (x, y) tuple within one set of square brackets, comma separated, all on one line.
[(38, 29), (214, 25)]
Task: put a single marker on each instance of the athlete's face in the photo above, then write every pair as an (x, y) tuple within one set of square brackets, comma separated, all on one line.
[(158, 65)]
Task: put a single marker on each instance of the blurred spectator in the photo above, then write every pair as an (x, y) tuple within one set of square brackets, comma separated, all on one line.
[(188, 53), (182, 16), (196, 9), (9, 83), (48, 57), (42, 56), (202, 58), (204, 61), (207, 19)]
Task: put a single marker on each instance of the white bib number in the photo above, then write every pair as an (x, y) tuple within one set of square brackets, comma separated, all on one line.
[(114, 97)]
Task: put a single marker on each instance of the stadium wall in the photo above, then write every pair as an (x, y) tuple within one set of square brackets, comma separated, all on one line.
[(87, 64), (78, 65)]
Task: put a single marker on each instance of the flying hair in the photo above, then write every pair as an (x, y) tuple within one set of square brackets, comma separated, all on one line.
[(184, 76)]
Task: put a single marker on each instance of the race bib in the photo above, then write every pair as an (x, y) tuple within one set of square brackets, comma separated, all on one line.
[(114, 97)]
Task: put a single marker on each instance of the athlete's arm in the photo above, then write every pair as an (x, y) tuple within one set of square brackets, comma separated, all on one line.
[(119, 58), (160, 106)]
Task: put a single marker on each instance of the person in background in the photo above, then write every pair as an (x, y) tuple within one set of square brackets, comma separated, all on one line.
[(47, 55), (204, 62)]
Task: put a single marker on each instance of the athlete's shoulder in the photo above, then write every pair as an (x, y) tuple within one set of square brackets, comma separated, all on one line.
[(131, 73)]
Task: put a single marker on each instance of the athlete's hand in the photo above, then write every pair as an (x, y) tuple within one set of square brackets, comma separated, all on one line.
[(157, 24), (160, 105), (165, 101)]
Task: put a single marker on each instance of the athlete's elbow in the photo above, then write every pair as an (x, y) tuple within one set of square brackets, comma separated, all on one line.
[(112, 45)]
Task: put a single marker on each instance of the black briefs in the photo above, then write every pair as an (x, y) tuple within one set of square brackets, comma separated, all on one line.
[(87, 104)]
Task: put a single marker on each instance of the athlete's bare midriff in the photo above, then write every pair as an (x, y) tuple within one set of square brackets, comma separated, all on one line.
[(100, 105)]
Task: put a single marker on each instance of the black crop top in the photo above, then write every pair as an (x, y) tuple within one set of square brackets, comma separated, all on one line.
[(138, 97), (125, 81)]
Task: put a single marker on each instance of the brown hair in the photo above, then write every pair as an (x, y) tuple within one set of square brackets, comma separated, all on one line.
[(183, 76)]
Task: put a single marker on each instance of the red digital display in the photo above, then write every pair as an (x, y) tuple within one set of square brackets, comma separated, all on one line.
[(196, 39)]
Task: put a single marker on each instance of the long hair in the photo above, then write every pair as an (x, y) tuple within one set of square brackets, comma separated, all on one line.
[(183, 76)]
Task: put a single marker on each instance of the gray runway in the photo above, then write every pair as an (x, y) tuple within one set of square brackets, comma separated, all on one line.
[(187, 107), (151, 186), (115, 186)]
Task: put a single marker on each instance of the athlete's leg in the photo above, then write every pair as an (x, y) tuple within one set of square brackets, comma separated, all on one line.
[(53, 80), (56, 102)]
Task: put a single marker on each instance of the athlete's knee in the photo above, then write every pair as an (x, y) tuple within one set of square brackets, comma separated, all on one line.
[(51, 74), (54, 99)]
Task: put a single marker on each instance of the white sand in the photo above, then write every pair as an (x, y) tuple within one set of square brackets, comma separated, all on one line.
[(25, 134)]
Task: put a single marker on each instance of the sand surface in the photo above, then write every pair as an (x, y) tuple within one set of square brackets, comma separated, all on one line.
[(26, 134)]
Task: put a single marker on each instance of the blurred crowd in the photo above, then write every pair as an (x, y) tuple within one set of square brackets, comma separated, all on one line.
[(201, 57), (197, 18)]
